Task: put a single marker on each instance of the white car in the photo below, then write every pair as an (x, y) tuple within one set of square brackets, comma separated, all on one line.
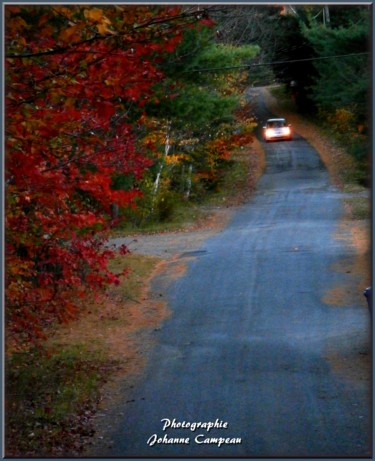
[(276, 129)]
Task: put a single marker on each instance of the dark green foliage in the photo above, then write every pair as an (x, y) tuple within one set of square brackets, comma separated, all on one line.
[(166, 205), (341, 88), (295, 70), (197, 108), (123, 182), (360, 148), (342, 81), (347, 15)]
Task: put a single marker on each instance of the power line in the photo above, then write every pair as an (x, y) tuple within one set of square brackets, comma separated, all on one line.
[(248, 66)]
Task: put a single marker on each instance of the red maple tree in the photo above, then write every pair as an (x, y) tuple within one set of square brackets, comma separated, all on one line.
[(78, 79)]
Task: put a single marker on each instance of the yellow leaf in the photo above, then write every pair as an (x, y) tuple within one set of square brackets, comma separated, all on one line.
[(93, 14), (103, 29), (22, 41)]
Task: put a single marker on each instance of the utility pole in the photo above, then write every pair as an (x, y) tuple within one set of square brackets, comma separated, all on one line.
[(326, 17)]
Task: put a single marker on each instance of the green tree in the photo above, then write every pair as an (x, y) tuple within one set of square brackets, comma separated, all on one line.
[(200, 108), (341, 87), (343, 80)]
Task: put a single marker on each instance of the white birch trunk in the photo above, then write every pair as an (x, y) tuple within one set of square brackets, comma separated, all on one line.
[(189, 181), (326, 16), (158, 176)]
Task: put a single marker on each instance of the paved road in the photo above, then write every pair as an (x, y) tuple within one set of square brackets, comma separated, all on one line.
[(250, 341)]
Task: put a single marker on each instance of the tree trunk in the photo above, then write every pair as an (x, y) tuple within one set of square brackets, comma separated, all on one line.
[(189, 182), (158, 176), (326, 16)]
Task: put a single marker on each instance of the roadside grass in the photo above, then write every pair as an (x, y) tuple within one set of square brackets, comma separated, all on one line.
[(181, 216), (49, 400), (53, 393)]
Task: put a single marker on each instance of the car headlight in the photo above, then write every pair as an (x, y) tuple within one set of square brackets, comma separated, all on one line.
[(287, 130), (270, 132)]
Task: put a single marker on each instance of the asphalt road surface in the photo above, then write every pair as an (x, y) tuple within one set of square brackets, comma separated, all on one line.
[(248, 345)]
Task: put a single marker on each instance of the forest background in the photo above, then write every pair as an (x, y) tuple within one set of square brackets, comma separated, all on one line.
[(125, 118)]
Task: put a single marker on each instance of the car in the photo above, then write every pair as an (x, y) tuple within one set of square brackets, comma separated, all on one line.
[(276, 129)]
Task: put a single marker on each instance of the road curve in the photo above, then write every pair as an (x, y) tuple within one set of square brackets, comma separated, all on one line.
[(249, 341)]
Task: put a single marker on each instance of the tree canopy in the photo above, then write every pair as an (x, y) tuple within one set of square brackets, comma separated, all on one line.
[(100, 101), (77, 78)]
